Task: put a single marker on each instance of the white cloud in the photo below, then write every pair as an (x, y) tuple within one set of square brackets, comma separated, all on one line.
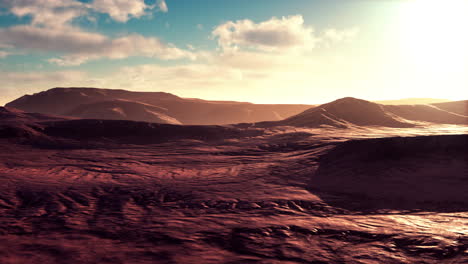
[(42, 77), (4, 54), (260, 59), (122, 10), (46, 12), (80, 46), (119, 48), (51, 31), (334, 35), (63, 39), (285, 34), (162, 6), (271, 35), (59, 12), (252, 79), (190, 72)]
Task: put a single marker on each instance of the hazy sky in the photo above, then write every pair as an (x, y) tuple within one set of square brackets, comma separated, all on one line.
[(262, 51)]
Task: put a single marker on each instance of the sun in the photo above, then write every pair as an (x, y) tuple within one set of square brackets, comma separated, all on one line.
[(435, 42)]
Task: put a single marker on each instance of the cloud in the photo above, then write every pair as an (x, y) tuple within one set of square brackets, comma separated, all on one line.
[(64, 39), (271, 35), (4, 54), (80, 46), (162, 6), (334, 35), (51, 31), (257, 58), (123, 10), (283, 34), (56, 13), (41, 77), (190, 72), (269, 54), (46, 12), (123, 47), (249, 79)]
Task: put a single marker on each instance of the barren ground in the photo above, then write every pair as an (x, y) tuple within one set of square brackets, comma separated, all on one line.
[(228, 201)]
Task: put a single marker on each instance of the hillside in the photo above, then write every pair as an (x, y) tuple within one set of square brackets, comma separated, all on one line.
[(458, 107), (426, 113), (397, 173), (346, 112), (350, 112), (50, 131), (123, 110), (411, 101), (15, 123), (65, 101), (140, 191)]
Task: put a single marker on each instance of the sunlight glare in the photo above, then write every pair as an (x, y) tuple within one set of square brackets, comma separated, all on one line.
[(435, 42)]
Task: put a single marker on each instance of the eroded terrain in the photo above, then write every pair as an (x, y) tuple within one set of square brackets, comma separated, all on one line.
[(247, 200)]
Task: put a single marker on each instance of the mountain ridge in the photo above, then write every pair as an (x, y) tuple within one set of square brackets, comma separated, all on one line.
[(166, 108), (61, 101), (350, 112)]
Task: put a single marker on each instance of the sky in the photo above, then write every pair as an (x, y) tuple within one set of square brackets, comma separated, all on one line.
[(260, 51)]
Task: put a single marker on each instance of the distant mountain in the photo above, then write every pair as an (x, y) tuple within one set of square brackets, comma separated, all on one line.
[(458, 107), (346, 112), (63, 100), (412, 101), (123, 110), (166, 108), (351, 112), (95, 103), (425, 113)]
